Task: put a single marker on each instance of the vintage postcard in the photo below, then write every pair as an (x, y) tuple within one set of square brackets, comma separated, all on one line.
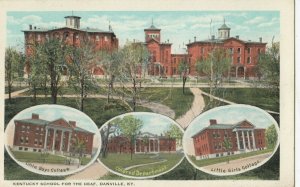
[(143, 93)]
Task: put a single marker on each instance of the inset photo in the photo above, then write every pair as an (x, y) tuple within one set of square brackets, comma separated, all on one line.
[(52, 140), (141, 145), (231, 139)]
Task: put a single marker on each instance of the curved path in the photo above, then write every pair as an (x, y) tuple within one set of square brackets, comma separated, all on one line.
[(196, 108), (140, 165)]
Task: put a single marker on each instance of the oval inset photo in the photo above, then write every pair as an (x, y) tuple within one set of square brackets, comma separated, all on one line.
[(231, 139), (52, 140), (141, 145)]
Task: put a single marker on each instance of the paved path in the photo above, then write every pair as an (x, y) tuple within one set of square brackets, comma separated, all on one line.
[(16, 93), (140, 165), (197, 107), (93, 172), (230, 102)]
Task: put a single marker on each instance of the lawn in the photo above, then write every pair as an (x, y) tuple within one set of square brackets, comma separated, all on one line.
[(259, 97), (118, 162), (211, 161), (172, 97), (14, 88), (37, 157)]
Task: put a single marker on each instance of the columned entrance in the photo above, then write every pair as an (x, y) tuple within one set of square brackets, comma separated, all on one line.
[(57, 139), (245, 139), (146, 145)]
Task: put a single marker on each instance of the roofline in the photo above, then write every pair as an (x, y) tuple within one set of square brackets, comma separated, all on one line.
[(152, 29), (80, 30), (72, 16)]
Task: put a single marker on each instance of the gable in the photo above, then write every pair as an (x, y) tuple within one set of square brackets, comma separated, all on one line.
[(233, 42), (245, 124), (60, 122)]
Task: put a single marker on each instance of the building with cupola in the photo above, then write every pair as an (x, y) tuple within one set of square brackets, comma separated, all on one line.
[(244, 53), (72, 34)]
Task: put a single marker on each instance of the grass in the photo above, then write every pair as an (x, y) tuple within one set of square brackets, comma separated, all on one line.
[(172, 97), (14, 88), (85, 160), (118, 162), (210, 161), (36, 157), (259, 97)]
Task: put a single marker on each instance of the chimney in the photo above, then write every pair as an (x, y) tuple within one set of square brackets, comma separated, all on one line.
[(237, 37), (34, 27), (168, 41), (72, 123), (212, 37), (260, 39), (213, 122), (189, 41), (35, 116), (30, 27)]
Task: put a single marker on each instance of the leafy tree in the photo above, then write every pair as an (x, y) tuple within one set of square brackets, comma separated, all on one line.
[(145, 142), (107, 131), (110, 62), (215, 67), (52, 55), (227, 145), (271, 136), (183, 69), (82, 59), (268, 67), (134, 57), (78, 149), (174, 132), (129, 127), (12, 64)]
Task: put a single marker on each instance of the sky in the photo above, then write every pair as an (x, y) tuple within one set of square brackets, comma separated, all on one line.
[(230, 114), (53, 112), (176, 26)]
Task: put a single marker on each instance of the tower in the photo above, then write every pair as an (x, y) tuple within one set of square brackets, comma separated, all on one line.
[(224, 31), (73, 22), (152, 33)]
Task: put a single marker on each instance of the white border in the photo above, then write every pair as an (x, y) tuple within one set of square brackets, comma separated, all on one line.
[(140, 114), (237, 106), (76, 112)]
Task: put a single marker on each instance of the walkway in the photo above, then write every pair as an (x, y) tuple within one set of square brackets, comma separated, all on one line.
[(140, 165), (197, 107), (16, 93), (232, 103)]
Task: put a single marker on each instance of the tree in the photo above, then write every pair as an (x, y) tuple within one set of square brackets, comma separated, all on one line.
[(82, 59), (110, 62), (215, 67), (78, 149), (12, 64), (183, 69), (129, 127), (106, 132), (174, 132), (271, 136), (268, 67), (145, 142), (135, 57), (227, 146), (53, 55)]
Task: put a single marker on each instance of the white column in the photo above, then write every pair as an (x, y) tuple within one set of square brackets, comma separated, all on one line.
[(237, 139), (69, 141), (135, 146), (158, 145), (149, 145), (61, 139), (248, 139), (253, 139), (46, 138), (53, 143), (244, 140)]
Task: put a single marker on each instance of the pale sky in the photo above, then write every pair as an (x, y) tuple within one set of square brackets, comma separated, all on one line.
[(230, 114), (177, 26)]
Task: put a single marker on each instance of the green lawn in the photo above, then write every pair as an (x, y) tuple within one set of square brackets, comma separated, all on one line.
[(210, 161), (37, 157), (118, 162), (259, 97), (172, 97)]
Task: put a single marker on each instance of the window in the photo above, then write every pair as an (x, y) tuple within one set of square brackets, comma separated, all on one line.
[(20, 148), (239, 50), (105, 38), (97, 38), (238, 60), (22, 140), (35, 141), (249, 60), (26, 149), (26, 140), (38, 37), (259, 51), (41, 142), (231, 50), (249, 50)]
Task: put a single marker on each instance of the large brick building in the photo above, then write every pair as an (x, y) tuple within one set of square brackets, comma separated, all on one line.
[(57, 136), (144, 143), (243, 137), (72, 34), (244, 54)]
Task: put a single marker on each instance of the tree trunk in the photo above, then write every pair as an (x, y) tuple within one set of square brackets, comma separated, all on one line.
[(134, 95), (183, 83), (9, 92), (82, 95)]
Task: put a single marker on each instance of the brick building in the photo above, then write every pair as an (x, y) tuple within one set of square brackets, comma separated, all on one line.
[(144, 143), (244, 54), (57, 136), (72, 34), (243, 137)]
